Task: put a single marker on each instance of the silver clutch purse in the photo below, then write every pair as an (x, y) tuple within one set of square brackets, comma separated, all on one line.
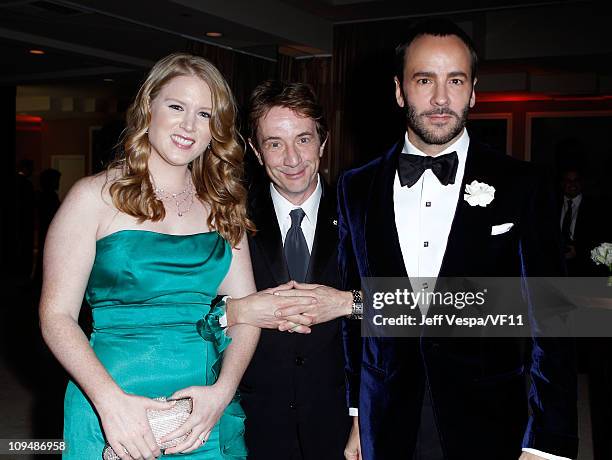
[(162, 422)]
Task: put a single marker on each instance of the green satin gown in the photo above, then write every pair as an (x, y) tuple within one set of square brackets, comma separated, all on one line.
[(154, 331)]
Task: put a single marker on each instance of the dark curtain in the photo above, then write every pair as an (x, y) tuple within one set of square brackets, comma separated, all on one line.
[(243, 72), (367, 119)]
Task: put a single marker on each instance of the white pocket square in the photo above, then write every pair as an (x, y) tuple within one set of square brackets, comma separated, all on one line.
[(501, 228)]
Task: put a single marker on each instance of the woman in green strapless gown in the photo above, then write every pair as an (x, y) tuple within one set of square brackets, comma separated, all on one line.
[(150, 244), (146, 311)]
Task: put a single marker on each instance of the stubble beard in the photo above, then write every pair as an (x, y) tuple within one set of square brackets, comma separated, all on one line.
[(417, 124)]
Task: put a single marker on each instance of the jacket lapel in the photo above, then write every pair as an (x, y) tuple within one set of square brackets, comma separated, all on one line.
[(324, 246), (471, 228), (384, 254), (268, 236)]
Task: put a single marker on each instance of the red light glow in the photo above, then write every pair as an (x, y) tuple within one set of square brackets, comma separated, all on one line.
[(525, 97), (28, 119)]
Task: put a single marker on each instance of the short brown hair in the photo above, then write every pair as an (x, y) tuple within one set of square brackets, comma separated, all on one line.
[(298, 97)]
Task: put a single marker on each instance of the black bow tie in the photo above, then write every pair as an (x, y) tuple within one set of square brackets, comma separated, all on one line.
[(412, 167)]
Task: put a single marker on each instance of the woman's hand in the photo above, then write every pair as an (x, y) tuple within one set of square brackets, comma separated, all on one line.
[(259, 308), (209, 402), (126, 427)]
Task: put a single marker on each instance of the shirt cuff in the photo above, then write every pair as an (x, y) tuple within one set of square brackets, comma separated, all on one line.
[(353, 412), (544, 454), (223, 318)]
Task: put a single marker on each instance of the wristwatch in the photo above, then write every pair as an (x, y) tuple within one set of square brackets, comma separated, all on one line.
[(357, 308)]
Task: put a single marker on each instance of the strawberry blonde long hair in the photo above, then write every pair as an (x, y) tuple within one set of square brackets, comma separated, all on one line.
[(217, 173)]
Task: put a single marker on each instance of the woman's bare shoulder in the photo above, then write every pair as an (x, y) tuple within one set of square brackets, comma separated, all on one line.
[(88, 204), (92, 191)]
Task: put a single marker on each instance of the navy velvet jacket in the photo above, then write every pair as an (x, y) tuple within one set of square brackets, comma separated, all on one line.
[(477, 385)]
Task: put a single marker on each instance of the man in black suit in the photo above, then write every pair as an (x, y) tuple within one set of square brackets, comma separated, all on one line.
[(583, 224), (293, 391), (439, 204)]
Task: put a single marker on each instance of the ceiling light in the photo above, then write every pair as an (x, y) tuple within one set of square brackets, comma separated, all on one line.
[(36, 52), (214, 34)]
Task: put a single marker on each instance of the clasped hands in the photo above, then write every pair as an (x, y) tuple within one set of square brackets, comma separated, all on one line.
[(292, 307)]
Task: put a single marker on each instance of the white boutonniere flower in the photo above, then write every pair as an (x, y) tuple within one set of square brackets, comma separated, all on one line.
[(602, 255), (479, 193)]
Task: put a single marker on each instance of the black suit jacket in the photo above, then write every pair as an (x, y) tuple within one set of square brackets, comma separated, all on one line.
[(293, 389), (477, 386), (592, 228)]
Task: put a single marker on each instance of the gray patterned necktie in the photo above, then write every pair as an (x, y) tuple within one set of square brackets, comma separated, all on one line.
[(296, 249)]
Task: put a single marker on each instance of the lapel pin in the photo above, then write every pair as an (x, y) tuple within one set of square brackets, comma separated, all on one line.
[(335, 222)]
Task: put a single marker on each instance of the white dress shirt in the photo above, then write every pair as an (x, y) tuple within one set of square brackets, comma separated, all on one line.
[(424, 214), (282, 208)]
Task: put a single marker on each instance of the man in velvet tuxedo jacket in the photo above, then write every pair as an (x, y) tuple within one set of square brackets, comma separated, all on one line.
[(405, 215), (293, 390)]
